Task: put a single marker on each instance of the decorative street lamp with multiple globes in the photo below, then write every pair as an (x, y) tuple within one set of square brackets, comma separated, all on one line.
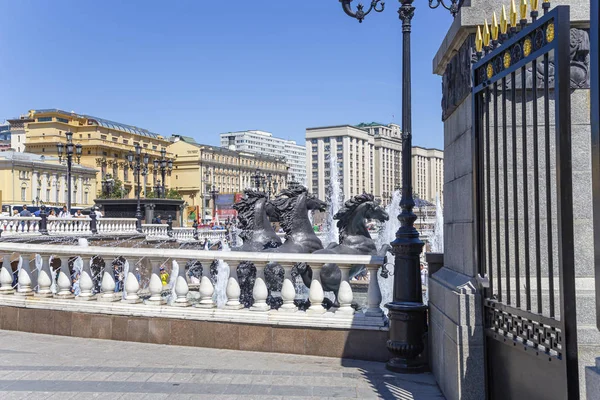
[(164, 165), (69, 156), (138, 162), (407, 312)]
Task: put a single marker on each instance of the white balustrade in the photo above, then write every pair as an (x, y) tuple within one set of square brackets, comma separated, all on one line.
[(181, 289), (288, 290), (63, 280), (86, 284), (345, 296), (233, 290), (316, 294), (6, 276), (19, 225), (260, 291), (155, 286), (24, 278), (44, 279), (132, 286), (107, 286), (374, 293)]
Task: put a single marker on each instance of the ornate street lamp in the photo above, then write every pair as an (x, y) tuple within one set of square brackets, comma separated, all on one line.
[(275, 186), (140, 164), (164, 165), (256, 178), (214, 193), (407, 312), (60, 147), (269, 180), (293, 183)]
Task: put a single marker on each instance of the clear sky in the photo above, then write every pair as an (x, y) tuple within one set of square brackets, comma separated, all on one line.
[(200, 68)]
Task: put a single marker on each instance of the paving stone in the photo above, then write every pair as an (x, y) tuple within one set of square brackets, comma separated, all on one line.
[(36, 366)]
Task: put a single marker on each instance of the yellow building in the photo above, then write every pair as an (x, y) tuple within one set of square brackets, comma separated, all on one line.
[(197, 167), (32, 179), (105, 143)]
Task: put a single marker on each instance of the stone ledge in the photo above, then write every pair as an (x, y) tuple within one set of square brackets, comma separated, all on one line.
[(369, 345), (330, 320)]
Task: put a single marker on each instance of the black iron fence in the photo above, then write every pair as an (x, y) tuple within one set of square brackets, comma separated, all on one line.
[(524, 209)]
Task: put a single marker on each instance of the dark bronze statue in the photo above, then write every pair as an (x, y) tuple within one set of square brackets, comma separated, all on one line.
[(257, 232), (354, 239)]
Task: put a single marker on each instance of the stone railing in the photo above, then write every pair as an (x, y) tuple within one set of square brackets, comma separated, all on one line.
[(155, 230), (112, 225), (68, 225), (19, 225), (288, 313)]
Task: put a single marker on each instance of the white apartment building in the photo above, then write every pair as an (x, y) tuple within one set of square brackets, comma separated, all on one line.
[(428, 173), (265, 143), (368, 157)]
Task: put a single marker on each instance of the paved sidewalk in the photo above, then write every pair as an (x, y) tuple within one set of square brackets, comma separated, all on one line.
[(34, 366)]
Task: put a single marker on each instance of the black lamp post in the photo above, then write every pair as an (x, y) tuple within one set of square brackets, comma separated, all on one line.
[(292, 183), (214, 193), (270, 181), (60, 147), (140, 164), (407, 312), (275, 186), (107, 185), (164, 164), (256, 178)]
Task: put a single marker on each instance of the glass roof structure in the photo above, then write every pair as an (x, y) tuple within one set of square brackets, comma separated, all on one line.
[(102, 122)]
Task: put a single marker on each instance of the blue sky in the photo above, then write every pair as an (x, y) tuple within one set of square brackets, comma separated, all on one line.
[(200, 68)]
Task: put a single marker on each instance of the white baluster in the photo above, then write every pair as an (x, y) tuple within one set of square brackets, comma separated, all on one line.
[(24, 286), (45, 279), (206, 293), (233, 290), (155, 286), (288, 290), (63, 280), (345, 295), (86, 284), (374, 293), (315, 294), (132, 287), (181, 287), (107, 286), (6, 277), (260, 291)]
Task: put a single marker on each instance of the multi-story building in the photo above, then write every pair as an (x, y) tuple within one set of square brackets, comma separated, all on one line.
[(105, 143), (5, 137), (264, 143), (17, 133), (198, 167), (368, 159), (35, 179), (428, 173)]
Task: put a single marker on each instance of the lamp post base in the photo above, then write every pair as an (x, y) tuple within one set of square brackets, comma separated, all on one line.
[(408, 325)]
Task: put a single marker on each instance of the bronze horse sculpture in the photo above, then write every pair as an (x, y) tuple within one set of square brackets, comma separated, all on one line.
[(257, 232), (354, 239)]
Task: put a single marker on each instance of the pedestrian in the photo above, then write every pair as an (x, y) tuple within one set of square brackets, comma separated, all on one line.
[(164, 276), (25, 212), (64, 213), (157, 220), (78, 214), (98, 212), (138, 275)]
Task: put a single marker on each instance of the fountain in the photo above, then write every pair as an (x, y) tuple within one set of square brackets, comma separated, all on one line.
[(335, 198), (437, 240), (386, 236), (222, 277)]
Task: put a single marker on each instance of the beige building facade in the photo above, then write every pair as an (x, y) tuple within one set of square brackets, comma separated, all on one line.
[(197, 167), (367, 155), (105, 143), (27, 178), (428, 173)]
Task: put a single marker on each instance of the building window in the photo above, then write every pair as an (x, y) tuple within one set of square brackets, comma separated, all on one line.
[(63, 120), (23, 193), (47, 195), (126, 172), (85, 197), (44, 119)]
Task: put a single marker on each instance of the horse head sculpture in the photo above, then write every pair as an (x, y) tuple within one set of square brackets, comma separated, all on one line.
[(290, 208), (257, 232), (354, 239)]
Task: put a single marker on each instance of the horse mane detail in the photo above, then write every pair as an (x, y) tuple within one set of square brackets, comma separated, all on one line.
[(346, 214), (245, 209), (284, 205)]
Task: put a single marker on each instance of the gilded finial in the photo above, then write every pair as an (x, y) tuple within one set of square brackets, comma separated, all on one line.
[(478, 40), (534, 5), (494, 26), (486, 33), (523, 9), (503, 21), (513, 14)]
